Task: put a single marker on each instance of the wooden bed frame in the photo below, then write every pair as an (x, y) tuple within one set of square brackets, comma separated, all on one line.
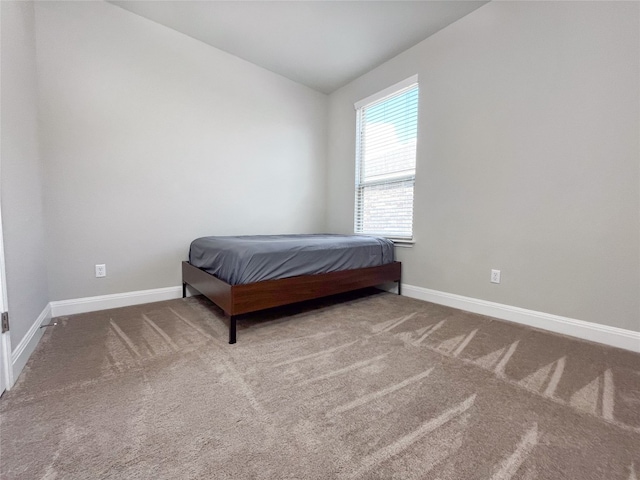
[(235, 300)]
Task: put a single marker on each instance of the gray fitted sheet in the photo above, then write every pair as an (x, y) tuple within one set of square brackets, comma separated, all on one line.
[(248, 259)]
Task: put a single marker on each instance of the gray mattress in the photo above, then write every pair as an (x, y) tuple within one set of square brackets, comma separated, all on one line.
[(249, 259)]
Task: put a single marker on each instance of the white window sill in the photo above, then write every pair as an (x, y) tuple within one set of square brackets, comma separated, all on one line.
[(397, 242), (403, 243)]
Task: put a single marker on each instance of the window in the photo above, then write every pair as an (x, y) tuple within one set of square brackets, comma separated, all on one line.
[(386, 161)]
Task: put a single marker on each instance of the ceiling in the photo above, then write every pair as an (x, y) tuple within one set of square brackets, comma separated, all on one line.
[(321, 44)]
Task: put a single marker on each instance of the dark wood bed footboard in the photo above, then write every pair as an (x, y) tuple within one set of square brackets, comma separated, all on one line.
[(238, 299), (214, 289)]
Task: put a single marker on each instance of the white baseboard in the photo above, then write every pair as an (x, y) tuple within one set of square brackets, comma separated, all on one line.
[(617, 337), (28, 344), (20, 355), (116, 300), (595, 332)]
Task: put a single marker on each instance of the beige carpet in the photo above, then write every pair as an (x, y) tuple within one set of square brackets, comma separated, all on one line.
[(374, 386)]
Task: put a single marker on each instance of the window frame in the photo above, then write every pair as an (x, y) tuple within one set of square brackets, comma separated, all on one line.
[(391, 91)]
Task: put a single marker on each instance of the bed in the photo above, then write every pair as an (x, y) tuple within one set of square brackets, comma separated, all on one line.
[(250, 273)]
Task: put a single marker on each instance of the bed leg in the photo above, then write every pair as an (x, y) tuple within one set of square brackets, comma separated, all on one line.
[(184, 290), (399, 288), (232, 329)]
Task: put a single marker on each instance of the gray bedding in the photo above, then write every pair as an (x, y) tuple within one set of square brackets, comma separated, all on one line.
[(249, 259)]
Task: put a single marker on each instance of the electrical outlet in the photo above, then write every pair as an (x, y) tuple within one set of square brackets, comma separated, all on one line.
[(495, 276), (101, 270)]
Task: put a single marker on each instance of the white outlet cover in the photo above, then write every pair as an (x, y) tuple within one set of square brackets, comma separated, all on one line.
[(495, 276), (101, 270)]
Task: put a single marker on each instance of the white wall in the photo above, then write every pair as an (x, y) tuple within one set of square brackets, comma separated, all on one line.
[(151, 139), (528, 158), (21, 172)]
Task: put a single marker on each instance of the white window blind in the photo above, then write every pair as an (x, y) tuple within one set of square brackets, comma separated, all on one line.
[(386, 161)]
